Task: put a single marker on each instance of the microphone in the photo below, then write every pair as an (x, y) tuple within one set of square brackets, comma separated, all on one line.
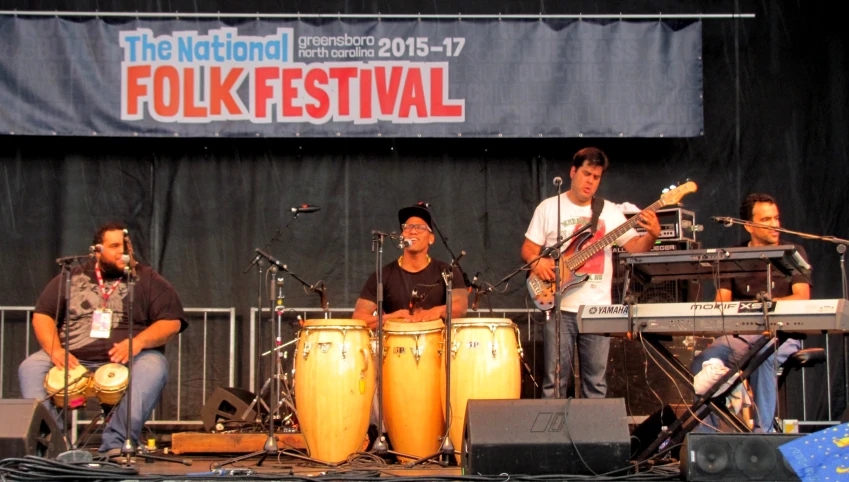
[(415, 299), (305, 208), (474, 282), (558, 181), (271, 259), (97, 248), (475, 301), (404, 243), (322, 293), (128, 257), (725, 221), (272, 292)]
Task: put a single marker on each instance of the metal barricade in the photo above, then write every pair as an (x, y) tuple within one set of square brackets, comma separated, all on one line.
[(200, 323)]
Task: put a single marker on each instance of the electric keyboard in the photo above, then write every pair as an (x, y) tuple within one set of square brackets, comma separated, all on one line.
[(711, 318)]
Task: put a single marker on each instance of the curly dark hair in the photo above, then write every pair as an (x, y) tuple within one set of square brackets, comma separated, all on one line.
[(748, 206)]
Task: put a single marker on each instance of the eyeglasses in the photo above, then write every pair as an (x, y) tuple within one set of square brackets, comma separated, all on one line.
[(415, 227)]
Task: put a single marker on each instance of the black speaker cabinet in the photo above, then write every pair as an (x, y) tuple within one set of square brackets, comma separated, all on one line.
[(733, 456), (227, 405), (534, 437), (28, 429)]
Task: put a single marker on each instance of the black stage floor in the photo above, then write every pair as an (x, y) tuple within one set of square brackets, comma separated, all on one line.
[(283, 467)]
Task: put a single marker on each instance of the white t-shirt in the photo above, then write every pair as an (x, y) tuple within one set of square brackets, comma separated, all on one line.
[(543, 231)]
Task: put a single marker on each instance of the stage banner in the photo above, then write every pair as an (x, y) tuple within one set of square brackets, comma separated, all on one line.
[(350, 78)]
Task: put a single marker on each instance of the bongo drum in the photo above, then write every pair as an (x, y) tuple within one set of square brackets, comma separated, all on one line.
[(485, 364), (412, 354), (335, 382), (78, 386), (110, 382)]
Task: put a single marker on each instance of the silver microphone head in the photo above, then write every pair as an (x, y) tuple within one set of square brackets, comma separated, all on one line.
[(125, 258), (558, 181)]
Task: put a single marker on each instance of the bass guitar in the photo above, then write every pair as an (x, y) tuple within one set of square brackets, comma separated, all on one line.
[(576, 254)]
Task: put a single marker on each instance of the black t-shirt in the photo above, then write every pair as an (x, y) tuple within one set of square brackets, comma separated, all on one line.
[(155, 299), (748, 287), (398, 285)]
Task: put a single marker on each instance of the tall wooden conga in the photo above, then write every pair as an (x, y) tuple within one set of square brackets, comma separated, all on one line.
[(485, 364), (411, 386), (334, 386)]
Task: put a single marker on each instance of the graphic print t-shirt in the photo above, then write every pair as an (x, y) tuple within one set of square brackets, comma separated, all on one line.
[(155, 299), (543, 231)]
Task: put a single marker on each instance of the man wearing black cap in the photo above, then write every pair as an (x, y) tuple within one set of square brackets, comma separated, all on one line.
[(413, 287)]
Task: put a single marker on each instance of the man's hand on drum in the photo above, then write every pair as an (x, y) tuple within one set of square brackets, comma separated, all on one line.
[(544, 269), (58, 359), (434, 313), (403, 314), (120, 351)]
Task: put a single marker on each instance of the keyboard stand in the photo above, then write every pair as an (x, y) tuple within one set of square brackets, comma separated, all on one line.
[(704, 404)]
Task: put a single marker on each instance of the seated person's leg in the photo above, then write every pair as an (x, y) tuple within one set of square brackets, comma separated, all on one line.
[(764, 386), (729, 350), (31, 374), (150, 372)]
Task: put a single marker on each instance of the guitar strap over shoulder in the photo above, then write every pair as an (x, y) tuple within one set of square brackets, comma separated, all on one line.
[(597, 206)]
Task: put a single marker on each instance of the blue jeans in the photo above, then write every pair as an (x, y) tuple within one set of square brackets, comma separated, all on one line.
[(592, 353), (730, 350), (150, 372)]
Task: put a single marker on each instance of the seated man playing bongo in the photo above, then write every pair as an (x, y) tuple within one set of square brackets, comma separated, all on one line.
[(413, 287), (98, 331)]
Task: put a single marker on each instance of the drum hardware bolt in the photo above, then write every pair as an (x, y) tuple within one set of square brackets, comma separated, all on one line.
[(417, 353), (344, 350), (307, 348), (454, 347), (494, 347), (365, 359)]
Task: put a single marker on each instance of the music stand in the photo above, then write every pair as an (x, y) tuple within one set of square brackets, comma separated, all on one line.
[(655, 266)]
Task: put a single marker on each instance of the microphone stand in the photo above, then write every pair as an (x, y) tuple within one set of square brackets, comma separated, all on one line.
[(550, 250), (377, 238), (558, 314), (73, 455), (270, 446), (446, 450)]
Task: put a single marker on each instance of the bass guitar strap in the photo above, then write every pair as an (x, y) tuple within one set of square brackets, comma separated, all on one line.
[(597, 206)]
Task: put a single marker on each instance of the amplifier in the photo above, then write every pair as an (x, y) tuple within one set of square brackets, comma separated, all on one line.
[(676, 224)]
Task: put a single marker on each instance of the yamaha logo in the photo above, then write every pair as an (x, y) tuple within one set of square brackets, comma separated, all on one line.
[(593, 310)]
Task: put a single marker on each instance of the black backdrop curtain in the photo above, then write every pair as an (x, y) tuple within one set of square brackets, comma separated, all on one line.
[(775, 103)]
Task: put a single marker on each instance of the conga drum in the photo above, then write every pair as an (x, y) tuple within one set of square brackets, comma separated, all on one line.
[(109, 383), (78, 386), (485, 364), (412, 354), (334, 386)]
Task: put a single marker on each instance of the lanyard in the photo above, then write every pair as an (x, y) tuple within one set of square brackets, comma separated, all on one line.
[(106, 294)]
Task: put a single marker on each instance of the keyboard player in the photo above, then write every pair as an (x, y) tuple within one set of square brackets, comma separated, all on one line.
[(762, 209)]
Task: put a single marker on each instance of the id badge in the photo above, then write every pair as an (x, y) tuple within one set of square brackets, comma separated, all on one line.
[(101, 323)]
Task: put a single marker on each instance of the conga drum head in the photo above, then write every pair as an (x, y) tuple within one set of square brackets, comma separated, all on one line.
[(331, 322), (110, 382), (406, 326), (54, 383)]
